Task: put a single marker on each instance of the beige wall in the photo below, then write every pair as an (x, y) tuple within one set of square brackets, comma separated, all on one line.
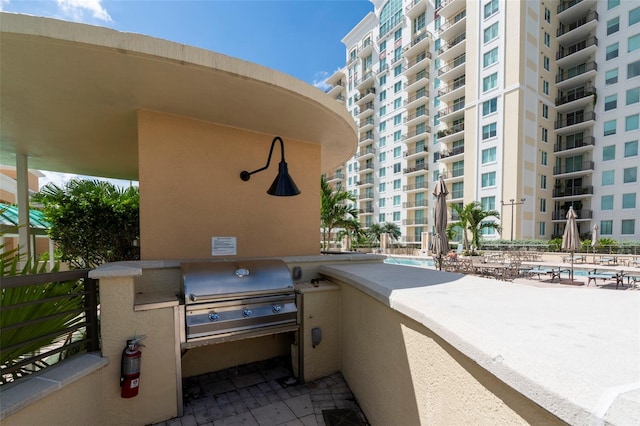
[(190, 190), (403, 374)]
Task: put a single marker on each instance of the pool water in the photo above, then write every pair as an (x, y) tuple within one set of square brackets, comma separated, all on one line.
[(423, 263)]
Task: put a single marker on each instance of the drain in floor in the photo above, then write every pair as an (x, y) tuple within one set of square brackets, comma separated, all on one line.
[(342, 417)]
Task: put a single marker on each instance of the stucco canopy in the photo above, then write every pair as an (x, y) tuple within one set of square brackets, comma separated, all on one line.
[(70, 92)]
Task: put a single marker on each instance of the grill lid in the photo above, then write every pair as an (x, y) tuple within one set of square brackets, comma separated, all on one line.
[(206, 281)]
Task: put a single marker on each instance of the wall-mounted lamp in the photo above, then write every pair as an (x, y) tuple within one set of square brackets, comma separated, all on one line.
[(283, 185)]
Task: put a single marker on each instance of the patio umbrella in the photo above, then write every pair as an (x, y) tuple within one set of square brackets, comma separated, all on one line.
[(440, 241), (571, 237), (594, 241)]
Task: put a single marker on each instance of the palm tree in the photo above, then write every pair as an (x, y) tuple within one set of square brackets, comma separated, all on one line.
[(392, 229), (461, 225), (473, 217), (352, 230), (335, 211), (373, 233)]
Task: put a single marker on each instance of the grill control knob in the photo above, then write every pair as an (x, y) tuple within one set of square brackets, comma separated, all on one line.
[(277, 308), (247, 313), (193, 297), (242, 272), (214, 316)]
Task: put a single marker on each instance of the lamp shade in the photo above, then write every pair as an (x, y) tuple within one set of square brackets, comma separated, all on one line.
[(283, 185)]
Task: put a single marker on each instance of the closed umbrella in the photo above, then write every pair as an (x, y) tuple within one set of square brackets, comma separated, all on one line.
[(571, 237), (440, 241), (594, 241)]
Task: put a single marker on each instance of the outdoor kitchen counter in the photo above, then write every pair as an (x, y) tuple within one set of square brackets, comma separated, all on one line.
[(574, 351)]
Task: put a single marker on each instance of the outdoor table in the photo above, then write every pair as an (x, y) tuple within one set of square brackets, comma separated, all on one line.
[(553, 272), (608, 260), (605, 275)]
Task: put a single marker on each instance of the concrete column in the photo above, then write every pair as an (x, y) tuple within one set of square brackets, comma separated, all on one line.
[(22, 196)]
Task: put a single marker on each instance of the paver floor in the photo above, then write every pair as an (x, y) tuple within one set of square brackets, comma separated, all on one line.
[(266, 394)]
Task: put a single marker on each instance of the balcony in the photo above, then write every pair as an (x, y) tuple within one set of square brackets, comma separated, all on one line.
[(583, 214), (415, 8), (367, 123), (365, 49), (416, 169), (576, 53), (453, 90), (419, 221), (365, 182), (414, 65), (577, 99), (448, 134), (365, 111), (335, 178), (585, 167), (415, 152), (453, 27), (337, 88), (577, 75), (415, 187), (419, 42), (577, 30), (421, 77), (451, 113), (449, 8), (363, 154), (453, 69), (368, 136), (574, 191), (453, 48), (366, 95), (575, 147), (416, 99), (571, 10), (366, 210), (366, 81), (366, 196), (414, 204), (451, 155), (575, 123), (415, 134), (416, 118)]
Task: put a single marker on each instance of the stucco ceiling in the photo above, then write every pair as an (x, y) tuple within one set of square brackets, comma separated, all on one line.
[(70, 92)]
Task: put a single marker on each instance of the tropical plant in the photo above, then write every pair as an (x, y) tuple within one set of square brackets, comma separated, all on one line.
[(392, 229), (92, 221), (353, 230), (336, 210), (473, 218), (34, 317)]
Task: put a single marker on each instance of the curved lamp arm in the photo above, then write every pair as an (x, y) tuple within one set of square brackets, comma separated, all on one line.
[(245, 175), (283, 185)]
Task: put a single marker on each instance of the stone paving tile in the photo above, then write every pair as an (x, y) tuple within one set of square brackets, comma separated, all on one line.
[(301, 405), (243, 419), (273, 414)]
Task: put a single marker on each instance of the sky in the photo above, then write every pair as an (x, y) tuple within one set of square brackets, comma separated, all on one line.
[(301, 38)]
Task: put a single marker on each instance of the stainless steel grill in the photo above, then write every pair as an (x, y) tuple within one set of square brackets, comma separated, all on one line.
[(229, 300)]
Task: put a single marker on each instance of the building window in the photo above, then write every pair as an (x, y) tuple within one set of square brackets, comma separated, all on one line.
[(489, 106), (545, 62), (545, 135), (613, 25), (609, 153), (491, 33), (612, 51), (381, 218), (488, 155), (382, 172), (545, 111), (397, 119), (610, 127), (632, 122), (396, 184), (612, 3), (383, 80), (382, 202), (545, 87), (397, 135), (631, 149), (396, 216), (382, 126), (633, 96), (634, 16), (606, 227), (397, 103), (396, 200), (397, 152), (543, 158), (397, 70), (629, 201), (547, 39), (543, 181), (489, 131), (397, 167), (628, 227), (383, 111), (490, 58), (397, 87), (382, 141), (541, 228), (382, 187), (457, 190), (606, 202), (490, 8), (633, 69), (611, 77), (488, 203), (488, 179), (543, 205), (608, 177), (630, 175), (547, 15), (633, 43), (610, 102), (490, 82), (383, 95)]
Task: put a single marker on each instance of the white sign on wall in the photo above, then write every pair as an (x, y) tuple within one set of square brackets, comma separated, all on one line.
[(224, 246)]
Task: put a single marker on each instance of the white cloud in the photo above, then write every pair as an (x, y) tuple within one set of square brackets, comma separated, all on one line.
[(320, 80), (3, 3), (76, 9), (61, 179)]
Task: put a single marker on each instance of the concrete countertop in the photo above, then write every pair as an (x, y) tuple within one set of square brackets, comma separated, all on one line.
[(574, 351)]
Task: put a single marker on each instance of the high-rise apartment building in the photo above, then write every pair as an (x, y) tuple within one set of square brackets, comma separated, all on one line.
[(527, 107)]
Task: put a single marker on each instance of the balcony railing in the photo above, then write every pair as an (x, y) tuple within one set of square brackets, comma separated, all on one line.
[(565, 28), (451, 109), (570, 50), (365, 152), (77, 308), (577, 94), (565, 75), (416, 115), (415, 151), (566, 5), (582, 214), (421, 57), (418, 203), (365, 137), (421, 221), (408, 135), (422, 185), (451, 130), (364, 93), (419, 38), (454, 151), (563, 146), (365, 196), (449, 23), (416, 78), (459, 39), (416, 97), (570, 121), (367, 181), (452, 64), (584, 166), (456, 85), (573, 191), (416, 168)]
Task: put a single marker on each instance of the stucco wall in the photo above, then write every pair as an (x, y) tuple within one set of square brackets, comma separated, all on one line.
[(190, 191), (404, 374)]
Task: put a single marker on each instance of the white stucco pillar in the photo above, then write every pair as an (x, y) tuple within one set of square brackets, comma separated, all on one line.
[(22, 196)]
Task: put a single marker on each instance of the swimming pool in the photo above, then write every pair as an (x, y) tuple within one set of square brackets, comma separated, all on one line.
[(423, 263)]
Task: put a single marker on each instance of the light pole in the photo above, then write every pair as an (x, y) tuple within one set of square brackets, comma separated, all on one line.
[(512, 203)]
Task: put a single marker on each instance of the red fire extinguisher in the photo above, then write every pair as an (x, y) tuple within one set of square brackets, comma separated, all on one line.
[(130, 368)]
